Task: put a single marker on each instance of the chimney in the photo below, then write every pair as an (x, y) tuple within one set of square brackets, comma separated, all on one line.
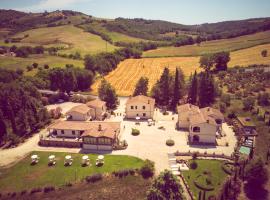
[(99, 127)]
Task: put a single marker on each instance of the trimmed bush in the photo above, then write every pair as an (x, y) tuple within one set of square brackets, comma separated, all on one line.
[(135, 132), (124, 172), (193, 165), (35, 190), (48, 189), (170, 142), (23, 192), (148, 169), (94, 178)]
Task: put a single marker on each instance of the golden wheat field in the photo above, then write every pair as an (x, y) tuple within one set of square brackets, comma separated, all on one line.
[(128, 72)]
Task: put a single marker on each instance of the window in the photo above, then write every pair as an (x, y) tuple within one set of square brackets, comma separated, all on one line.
[(144, 114), (131, 107), (73, 132), (136, 107), (196, 129), (143, 107), (62, 132), (137, 114)]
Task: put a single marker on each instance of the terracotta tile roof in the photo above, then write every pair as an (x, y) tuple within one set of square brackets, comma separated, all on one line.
[(191, 114), (108, 129), (212, 112), (141, 98), (82, 109), (200, 118), (97, 103), (187, 108)]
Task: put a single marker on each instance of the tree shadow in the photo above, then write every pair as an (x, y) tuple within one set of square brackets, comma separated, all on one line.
[(255, 192)]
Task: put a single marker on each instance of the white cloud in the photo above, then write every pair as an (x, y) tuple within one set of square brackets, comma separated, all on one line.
[(51, 5)]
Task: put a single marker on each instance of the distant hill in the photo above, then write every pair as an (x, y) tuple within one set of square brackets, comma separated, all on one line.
[(157, 30)]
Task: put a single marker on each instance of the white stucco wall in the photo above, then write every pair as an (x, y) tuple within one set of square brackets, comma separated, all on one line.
[(207, 133), (68, 133), (78, 116), (133, 113)]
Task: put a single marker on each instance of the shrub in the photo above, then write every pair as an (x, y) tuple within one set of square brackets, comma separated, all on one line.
[(48, 189), (94, 178), (29, 68), (170, 142), (194, 155), (13, 194), (135, 132), (124, 172), (193, 165), (35, 65), (23, 192), (35, 190), (46, 66), (148, 169)]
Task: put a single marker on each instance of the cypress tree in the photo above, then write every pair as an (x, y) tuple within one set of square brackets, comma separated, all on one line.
[(193, 89), (3, 128), (164, 87), (141, 87), (176, 92)]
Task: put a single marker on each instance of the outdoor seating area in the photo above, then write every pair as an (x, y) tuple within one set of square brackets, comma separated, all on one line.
[(52, 160), (69, 160), (85, 160), (34, 159), (100, 160)]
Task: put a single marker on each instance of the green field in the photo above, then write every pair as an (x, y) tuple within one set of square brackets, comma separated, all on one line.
[(23, 175), (232, 44), (69, 37), (21, 63), (217, 176), (115, 36)]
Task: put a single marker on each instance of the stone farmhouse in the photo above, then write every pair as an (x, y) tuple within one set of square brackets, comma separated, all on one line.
[(140, 106), (203, 124)]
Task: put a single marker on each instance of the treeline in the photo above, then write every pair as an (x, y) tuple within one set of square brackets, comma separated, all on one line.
[(21, 110), (64, 79), (104, 63), (23, 51)]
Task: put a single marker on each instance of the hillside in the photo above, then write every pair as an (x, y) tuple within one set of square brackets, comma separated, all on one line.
[(213, 46), (70, 38), (128, 72)]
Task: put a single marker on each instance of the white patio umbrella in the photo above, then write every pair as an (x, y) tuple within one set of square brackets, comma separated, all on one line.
[(68, 157), (137, 118), (51, 157), (100, 157), (85, 157), (149, 120), (33, 157)]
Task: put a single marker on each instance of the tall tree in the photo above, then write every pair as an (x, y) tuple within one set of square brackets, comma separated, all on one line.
[(3, 127), (207, 62), (165, 186), (179, 87), (193, 89), (107, 93), (141, 87), (164, 87), (221, 60), (70, 82), (206, 93)]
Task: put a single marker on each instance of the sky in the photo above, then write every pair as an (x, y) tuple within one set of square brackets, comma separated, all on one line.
[(180, 11)]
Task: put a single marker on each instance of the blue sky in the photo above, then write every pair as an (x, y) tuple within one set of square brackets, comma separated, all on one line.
[(181, 11)]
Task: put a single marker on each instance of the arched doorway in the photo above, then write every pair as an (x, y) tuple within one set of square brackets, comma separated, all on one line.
[(196, 138)]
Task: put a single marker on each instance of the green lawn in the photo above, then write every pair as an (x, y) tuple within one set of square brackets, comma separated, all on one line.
[(21, 63), (217, 175), (25, 176)]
